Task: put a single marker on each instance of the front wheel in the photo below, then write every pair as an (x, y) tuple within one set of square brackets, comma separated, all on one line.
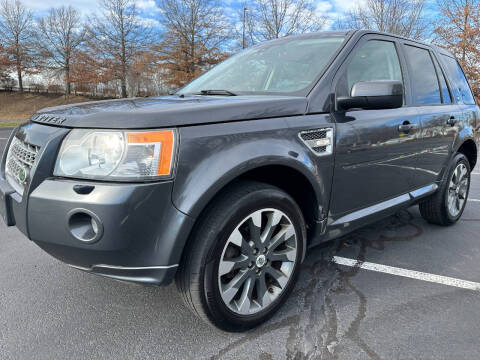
[(446, 206), (244, 257)]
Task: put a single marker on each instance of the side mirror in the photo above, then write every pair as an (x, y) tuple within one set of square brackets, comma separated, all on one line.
[(373, 95)]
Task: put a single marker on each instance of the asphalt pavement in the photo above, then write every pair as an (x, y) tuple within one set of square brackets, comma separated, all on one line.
[(50, 311)]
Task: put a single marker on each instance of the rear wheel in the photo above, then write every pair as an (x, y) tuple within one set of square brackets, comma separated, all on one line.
[(244, 257), (446, 206)]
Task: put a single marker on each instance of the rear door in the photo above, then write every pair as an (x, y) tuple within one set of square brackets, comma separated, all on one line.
[(433, 100), (467, 111), (374, 158)]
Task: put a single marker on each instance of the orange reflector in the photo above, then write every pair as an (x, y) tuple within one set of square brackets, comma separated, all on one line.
[(166, 138)]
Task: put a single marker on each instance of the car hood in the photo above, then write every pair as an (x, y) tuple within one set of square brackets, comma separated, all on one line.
[(169, 111)]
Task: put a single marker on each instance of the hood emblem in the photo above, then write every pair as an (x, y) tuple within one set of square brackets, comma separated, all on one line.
[(22, 175), (48, 119)]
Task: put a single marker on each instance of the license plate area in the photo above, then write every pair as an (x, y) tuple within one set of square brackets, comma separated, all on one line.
[(6, 203)]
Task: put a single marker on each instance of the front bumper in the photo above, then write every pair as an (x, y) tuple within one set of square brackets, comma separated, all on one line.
[(140, 228), (142, 233)]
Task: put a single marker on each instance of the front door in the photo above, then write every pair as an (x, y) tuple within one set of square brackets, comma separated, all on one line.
[(375, 149)]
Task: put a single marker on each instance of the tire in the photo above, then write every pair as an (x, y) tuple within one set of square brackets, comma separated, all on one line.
[(437, 209), (223, 237)]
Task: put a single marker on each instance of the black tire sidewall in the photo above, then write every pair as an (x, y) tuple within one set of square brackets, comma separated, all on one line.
[(459, 158), (217, 310)]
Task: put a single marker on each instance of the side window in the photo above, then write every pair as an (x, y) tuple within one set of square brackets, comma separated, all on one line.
[(461, 90), (447, 98), (424, 79), (374, 60)]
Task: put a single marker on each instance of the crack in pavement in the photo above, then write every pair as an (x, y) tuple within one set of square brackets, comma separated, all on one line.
[(314, 331)]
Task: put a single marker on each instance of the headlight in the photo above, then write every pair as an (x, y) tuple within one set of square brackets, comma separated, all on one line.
[(117, 155)]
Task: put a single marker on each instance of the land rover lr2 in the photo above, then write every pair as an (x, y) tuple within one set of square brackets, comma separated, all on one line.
[(226, 184)]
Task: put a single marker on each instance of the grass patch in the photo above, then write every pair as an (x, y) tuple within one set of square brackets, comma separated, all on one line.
[(10, 124), (17, 107)]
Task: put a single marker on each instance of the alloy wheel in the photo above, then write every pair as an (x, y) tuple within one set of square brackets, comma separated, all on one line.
[(458, 189), (257, 261)]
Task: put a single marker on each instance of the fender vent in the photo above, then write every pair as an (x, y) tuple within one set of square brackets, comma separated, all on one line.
[(320, 141)]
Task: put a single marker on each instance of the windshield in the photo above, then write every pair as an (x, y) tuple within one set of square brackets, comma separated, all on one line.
[(289, 66)]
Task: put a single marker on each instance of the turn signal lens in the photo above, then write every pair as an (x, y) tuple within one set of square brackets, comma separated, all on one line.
[(165, 138)]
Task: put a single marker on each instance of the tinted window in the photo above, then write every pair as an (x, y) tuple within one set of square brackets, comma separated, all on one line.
[(287, 66), (374, 60), (424, 79), (460, 87), (447, 99)]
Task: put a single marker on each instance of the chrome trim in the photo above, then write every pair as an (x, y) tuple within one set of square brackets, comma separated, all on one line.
[(426, 190), (118, 267), (79, 267), (404, 198), (373, 209)]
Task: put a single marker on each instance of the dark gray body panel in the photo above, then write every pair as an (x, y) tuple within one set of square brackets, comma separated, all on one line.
[(212, 156), (373, 171), (144, 113)]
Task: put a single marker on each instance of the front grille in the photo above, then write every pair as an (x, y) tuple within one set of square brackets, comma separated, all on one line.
[(20, 160)]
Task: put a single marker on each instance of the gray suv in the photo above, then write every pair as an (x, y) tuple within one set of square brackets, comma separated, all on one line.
[(226, 184)]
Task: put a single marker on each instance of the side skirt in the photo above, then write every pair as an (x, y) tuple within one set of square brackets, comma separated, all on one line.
[(359, 218)]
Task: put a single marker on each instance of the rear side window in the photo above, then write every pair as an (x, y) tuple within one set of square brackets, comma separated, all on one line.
[(447, 98), (426, 89), (461, 90), (374, 60)]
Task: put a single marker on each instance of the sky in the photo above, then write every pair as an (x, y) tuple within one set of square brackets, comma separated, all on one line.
[(150, 5), (150, 8)]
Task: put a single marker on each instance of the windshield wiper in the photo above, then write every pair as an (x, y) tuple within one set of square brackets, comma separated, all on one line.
[(216, 92)]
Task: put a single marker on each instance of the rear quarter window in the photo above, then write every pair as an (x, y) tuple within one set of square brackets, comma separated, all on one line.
[(461, 90)]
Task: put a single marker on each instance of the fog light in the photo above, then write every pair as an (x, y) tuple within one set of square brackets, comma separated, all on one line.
[(85, 226)]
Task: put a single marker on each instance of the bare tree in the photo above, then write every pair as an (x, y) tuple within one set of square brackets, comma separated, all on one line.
[(61, 36), (196, 31), (120, 35), (16, 24), (401, 17), (272, 19), (458, 30)]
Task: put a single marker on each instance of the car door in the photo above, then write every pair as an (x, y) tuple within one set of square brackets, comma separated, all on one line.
[(375, 149), (437, 112)]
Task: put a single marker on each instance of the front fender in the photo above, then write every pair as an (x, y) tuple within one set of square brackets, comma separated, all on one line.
[(212, 156)]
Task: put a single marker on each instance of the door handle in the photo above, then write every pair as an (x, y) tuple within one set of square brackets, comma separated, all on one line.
[(452, 121), (406, 127)]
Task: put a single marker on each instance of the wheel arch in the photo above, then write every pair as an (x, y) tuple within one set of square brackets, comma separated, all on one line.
[(469, 149), (295, 182)]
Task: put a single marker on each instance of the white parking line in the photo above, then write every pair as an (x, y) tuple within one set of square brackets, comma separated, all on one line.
[(475, 200), (444, 280), (3, 138), (476, 173)]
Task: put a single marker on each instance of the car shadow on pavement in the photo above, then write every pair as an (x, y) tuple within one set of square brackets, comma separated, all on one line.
[(310, 314)]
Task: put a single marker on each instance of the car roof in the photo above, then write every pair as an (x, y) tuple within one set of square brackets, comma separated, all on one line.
[(359, 33), (431, 45)]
